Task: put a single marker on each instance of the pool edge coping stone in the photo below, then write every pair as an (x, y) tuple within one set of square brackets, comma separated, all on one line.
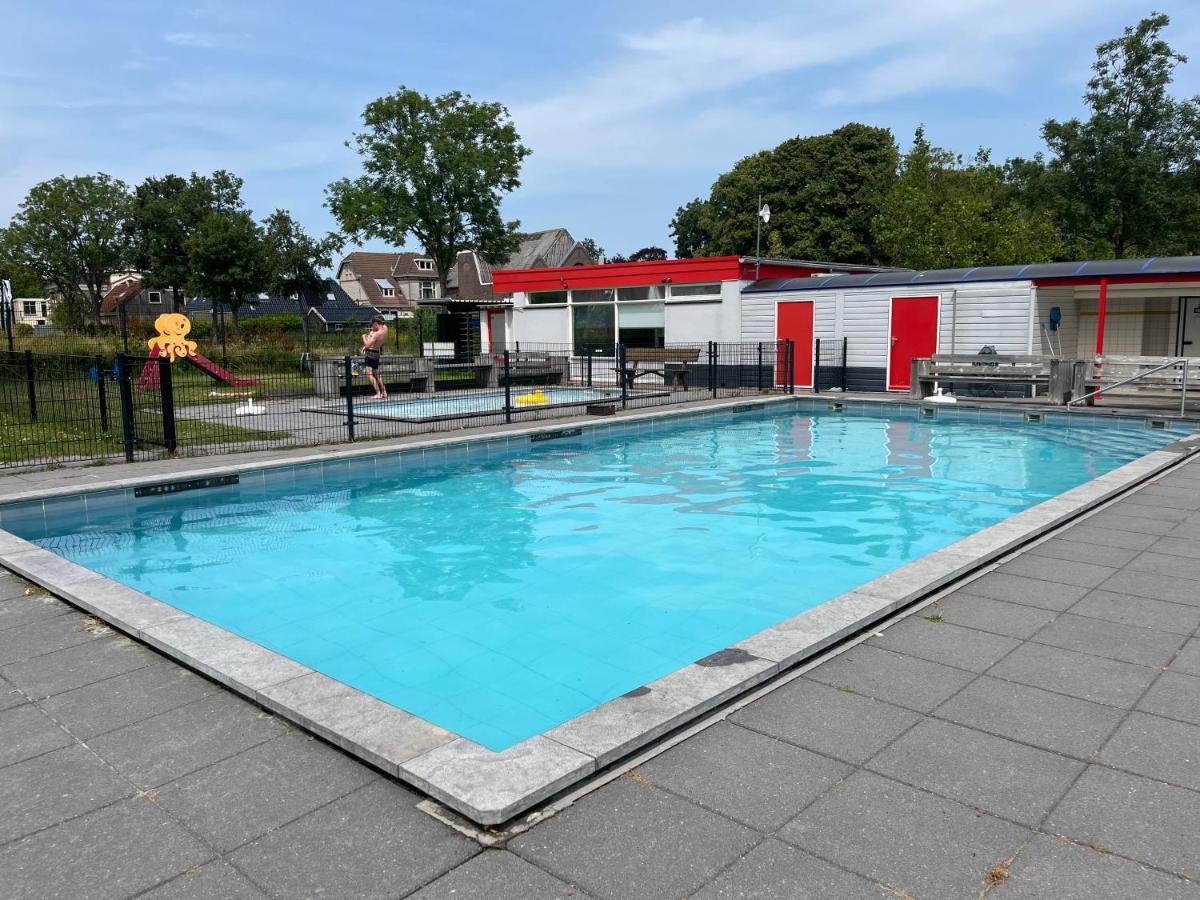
[(492, 787)]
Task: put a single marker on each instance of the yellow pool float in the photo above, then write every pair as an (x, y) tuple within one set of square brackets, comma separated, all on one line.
[(537, 398)]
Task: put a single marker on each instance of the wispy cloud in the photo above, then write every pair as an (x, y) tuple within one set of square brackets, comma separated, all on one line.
[(205, 40)]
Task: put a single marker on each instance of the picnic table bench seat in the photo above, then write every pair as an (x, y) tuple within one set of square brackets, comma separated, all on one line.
[(648, 357)]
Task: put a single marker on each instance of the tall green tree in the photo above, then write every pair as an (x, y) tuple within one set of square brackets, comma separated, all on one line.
[(648, 254), (228, 259), (295, 259), (165, 213), (943, 213), (824, 192), (24, 280), (592, 249), (436, 169), (1125, 180), (72, 233)]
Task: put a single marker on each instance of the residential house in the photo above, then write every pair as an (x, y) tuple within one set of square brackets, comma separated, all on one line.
[(329, 308), (33, 311), (391, 282), (129, 293)]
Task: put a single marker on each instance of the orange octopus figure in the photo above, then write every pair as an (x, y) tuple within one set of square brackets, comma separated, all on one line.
[(171, 340)]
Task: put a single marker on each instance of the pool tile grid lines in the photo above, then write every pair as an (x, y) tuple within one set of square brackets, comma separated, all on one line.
[(491, 788)]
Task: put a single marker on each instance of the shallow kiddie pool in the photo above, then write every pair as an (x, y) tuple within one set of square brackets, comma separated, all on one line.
[(500, 594)]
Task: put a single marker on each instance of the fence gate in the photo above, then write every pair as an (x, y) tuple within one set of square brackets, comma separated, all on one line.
[(147, 409)]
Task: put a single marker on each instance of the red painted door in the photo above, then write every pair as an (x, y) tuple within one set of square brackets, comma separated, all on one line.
[(913, 336), (794, 322)]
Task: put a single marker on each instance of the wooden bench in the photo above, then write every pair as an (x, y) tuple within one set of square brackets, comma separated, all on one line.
[(1059, 379), (412, 372), (649, 356)]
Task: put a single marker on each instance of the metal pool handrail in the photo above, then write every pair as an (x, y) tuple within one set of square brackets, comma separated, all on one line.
[(1169, 364)]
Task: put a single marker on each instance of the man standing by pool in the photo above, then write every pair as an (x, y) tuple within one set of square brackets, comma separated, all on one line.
[(373, 342)]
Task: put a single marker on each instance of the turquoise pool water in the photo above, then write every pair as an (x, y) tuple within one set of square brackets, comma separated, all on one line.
[(498, 597)]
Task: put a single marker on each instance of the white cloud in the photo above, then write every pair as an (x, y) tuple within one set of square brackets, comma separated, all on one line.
[(193, 39)]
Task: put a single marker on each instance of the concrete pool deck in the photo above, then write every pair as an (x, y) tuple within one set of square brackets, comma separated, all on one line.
[(1032, 734)]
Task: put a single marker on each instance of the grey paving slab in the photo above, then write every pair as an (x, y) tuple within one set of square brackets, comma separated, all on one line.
[(1054, 868), (12, 587), (1097, 535), (995, 616), (834, 722), (42, 791), (1188, 659), (1120, 520), (212, 881), (1174, 497), (755, 779), (1169, 564), (1143, 612), (1136, 817), (1094, 678), (1152, 510), (498, 875), (1158, 587), (613, 843), (354, 846), (1032, 716), (1174, 695), (107, 705), (1158, 748), (113, 852), (1080, 574), (65, 670), (170, 745), (21, 609), (10, 695), (777, 871), (924, 845), (942, 642), (1129, 643), (28, 732), (1083, 552), (42, 636), (243, 797), (1188, 548), (904, 680), (1029, 591), (989, 773)]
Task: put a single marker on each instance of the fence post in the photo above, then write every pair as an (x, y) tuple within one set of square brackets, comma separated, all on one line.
[(101, 392), (844, 365), (758, 377), (348, 370), (122, 317), (817, 366), (31, 384), (622, 375), (224, 354), (589, 369), (125, 388), (712, 368), (791, 364), (9, 311), (507, 387), (166, 391)]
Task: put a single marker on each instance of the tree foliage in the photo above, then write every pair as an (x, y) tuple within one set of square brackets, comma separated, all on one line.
[(824, 192), (1125, 181), (435, 168), (648, 254), (592, 249), (227, 259), (25, 282), (72, 233), (942, 213)]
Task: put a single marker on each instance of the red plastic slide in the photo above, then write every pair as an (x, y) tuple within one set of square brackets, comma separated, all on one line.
[(149, 377)]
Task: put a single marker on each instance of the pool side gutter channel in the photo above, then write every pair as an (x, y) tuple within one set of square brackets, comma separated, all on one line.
[(491, 788)]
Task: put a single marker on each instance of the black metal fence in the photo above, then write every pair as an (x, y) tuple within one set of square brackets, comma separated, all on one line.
[(829, 364), (73, 408)]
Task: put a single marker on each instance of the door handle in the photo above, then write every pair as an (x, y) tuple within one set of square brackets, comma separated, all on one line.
[(894, 340)]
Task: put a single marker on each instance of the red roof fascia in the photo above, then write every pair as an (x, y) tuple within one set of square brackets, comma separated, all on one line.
[(628, 274)]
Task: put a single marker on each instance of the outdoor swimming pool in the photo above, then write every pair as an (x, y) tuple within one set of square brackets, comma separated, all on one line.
[(498, 595), (478, 403)]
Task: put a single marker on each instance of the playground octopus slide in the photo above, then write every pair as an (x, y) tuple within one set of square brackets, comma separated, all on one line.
[(171, 342)]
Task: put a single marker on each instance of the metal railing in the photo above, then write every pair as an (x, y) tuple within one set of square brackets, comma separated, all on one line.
[(1169, 364)]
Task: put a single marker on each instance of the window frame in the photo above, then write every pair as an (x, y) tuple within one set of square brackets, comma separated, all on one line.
[(696, 298), (154, 297)]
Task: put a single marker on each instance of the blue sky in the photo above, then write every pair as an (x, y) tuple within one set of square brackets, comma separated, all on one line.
[(631, 109)]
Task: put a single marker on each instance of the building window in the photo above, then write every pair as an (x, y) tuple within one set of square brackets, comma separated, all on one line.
[(30, 307), (425, 265), (154, 297), (594, 329), (594, 295), (537, 298), (641, 325), (643, 292), (696, 291), (45, 309), (428, 290), (387, 291), (385, 287)]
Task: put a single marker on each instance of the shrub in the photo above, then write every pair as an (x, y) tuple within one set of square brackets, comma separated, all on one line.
[(23, 329)]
